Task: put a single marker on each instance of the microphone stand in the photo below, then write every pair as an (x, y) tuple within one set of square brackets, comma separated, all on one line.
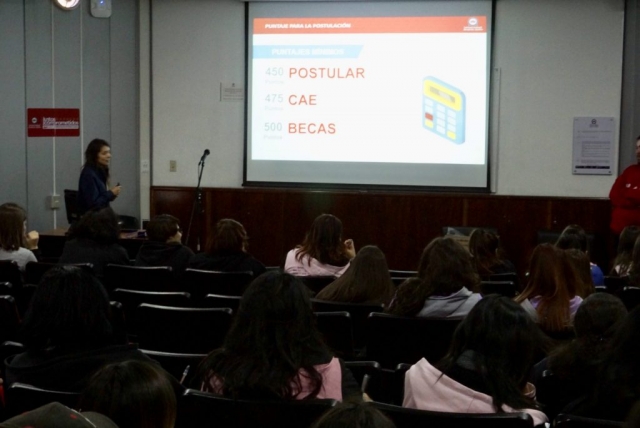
[(197, 205)]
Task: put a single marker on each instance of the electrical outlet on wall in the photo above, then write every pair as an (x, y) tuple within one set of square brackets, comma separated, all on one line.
[(101, 8), (173, 166)]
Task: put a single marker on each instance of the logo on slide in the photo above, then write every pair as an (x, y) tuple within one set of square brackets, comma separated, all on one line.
[(473, 21), (443, 109)]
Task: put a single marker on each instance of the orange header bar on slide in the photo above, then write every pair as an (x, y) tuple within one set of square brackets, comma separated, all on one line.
[(432, 24)]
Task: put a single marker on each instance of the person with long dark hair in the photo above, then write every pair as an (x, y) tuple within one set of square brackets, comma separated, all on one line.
[(323, 251), (486, 368), (273, 349), (227, 251), (94, 189), (67, 333), (445, 285), (574, 236), (13, 239), (622, 262), (94, 239), (484, 246), (366, 281)]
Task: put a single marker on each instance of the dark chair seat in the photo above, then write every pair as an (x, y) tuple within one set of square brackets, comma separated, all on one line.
[(503, 288), (198, 408), (156, 278), (21, 398), (181, 366), (131, 299), (199, 283), (570, 421), (359, 315), (392, 340), (337, 331), (411, 418), (182, 330)]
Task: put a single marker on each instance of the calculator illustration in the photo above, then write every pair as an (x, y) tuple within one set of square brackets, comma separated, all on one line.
[(443, 109)]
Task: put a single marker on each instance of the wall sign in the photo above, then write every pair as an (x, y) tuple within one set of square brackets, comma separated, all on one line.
[(53, 122), (593, 145)]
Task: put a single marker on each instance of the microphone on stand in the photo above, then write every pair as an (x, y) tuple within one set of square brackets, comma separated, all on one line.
[(204, 155)]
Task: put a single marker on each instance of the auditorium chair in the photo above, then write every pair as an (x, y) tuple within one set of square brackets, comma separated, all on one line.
[(398, 280), (503, 288), (199, 282), (410, 418), (182, 330), (317, 283), (154, 278), (392, 340), (220, 301), (131, 299), (7, 349), (570, 421), (118, 322), (615, 284), (403, 273), (630, 296), (10, 272), (34, 271), (183, 367), (71, 205), (359, 313), (337, 332), (196, 408), (9, 319), (21, 398)]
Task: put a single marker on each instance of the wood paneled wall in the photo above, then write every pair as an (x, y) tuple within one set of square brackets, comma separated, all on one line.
[(401, 224)]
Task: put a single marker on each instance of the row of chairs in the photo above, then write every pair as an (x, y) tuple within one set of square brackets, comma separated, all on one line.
[(196, 408)]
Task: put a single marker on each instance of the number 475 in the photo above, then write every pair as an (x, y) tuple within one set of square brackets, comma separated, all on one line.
[(274, 98)]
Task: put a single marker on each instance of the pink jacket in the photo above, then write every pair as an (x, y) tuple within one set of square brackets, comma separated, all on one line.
[(310, 267), (424, 389)]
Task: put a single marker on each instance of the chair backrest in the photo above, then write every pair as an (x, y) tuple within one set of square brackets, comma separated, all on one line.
[(128, 222), (71, 205), (398, 280), (180, 366), (7, 349), (359, 314), (21, 398), (570, 421), (118, 322), (196, 408), (508, 276), (10, 272), (337, 331), (554, 393), (220, 301), (199, 282), (630, 296), (410, 418), (131, 299), (9, 318), (317, 283), (403, 273), (154, 278), (503, 288), (182, 330), (615, 284), (392, 340)]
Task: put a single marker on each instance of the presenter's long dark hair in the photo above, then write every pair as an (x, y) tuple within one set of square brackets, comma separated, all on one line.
[(272, 339), (91, 155)]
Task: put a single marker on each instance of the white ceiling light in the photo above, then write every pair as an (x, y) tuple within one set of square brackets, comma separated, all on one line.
[(67, 4)]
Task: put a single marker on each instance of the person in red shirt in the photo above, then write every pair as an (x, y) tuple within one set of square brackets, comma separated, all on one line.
[(625, 197)]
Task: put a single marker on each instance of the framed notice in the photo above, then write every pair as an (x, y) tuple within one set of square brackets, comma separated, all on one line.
[(593, 145), (53, 122)]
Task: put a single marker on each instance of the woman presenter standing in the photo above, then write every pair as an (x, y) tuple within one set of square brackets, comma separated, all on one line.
[(93, 186)]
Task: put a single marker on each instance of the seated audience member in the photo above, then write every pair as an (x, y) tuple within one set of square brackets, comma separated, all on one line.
[(486, 368), (164, 247), (56, 415), (31, 238), (134, 394), (617, 385), (366, 281), (484, 246), (273, 349), (353, 414), (227, 251), (94, 239), (579, 261), (323, 252), (12, 236), (574, 236), (550, 296), (574, 364), (66, 333), (622, 262), (445, 284)]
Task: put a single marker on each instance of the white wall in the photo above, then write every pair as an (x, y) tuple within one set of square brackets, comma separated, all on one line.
[(557, 59)]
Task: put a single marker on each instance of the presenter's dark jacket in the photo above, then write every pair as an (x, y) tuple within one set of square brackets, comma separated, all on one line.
[(174, 254), (92, 190), (227, 261)]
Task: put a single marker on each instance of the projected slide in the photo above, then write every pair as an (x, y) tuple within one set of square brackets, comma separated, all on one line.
[(402, 90)]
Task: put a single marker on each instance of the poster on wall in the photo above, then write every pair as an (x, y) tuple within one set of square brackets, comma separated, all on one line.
[(53, 122), (593, 145)]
